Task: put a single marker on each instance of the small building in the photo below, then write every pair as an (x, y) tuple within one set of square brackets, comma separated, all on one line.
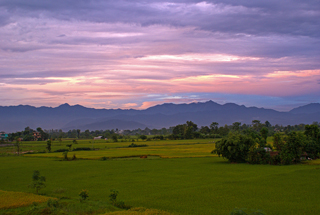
[(304, 156), (267, 149), (36, 135), (3, 135), (97, 138)]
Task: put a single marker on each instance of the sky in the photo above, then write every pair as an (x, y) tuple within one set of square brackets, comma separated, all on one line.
[(137, 54)]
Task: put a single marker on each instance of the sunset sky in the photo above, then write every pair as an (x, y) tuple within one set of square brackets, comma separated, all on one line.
[(136, 54)]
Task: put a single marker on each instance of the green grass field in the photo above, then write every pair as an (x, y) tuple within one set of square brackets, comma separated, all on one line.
[(189, 182)]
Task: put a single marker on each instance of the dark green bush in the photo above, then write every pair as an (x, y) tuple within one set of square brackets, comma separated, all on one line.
[(137, 145), (82, 149), (61, 150)]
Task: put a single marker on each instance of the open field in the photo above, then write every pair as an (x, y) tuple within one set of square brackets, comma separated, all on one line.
[(164, 148), (184, 178), (207, 185)]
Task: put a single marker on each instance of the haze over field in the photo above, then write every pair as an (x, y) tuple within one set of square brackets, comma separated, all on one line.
[(136, 54)]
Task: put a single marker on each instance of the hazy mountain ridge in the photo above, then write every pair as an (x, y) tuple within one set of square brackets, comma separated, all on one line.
[(66, 117)]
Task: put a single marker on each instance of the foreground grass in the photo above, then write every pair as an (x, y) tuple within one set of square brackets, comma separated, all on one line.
[(139, 211), (19, 199), (207, 185)]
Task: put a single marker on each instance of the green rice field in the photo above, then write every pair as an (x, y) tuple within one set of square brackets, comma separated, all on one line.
[(178, 177)]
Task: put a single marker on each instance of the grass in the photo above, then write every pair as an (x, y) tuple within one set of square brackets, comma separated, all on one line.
[(164, 149), (139, 211), (40, 146), (204, 185), (9, 199)]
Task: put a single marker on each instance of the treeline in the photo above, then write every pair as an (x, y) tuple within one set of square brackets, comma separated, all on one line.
[(189, 130), (252, 147), (30, 134)]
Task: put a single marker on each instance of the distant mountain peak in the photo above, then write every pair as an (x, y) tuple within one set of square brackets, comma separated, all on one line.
[(309, 108), (64, 105)]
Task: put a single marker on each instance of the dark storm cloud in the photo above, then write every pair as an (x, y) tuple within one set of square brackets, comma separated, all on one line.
[(231, 16), (43, 74)]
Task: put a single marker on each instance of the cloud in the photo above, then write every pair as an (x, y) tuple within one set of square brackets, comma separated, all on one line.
[(252, 18), (147, 52)]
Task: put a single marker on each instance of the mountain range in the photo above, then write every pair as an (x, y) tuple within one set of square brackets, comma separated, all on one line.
[(66, 117)]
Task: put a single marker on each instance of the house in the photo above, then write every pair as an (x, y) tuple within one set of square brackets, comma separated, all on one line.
[(304, 156), (36, 135), (267, 149), (3, 135), (97, 138)]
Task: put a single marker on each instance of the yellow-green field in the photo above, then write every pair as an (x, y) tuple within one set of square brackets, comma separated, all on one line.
[(163, 149), (10, 199), (139, 211)]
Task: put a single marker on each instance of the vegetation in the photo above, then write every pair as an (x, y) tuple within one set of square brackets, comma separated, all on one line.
[(251, 147), (38, 181), (198, 182), (83, 195), (207, 185), (10, 199)]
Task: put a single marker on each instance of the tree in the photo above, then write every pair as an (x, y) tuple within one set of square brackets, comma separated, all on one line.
[(256, 125), (115, 138), (278, 141), (204, 130), (292, 150), (69, 146), (60, 140), (267, 124), (264, 133), (49, 145), (193, 126), (26, 130), (236, 126), (37, 181), (78, 132), (143, 137), (214, 127), (312, 131), (18, 145), (234, 147)]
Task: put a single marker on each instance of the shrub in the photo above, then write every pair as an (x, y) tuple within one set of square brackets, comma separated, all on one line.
[(52, 203), (61, 150), (82, 149), (137, 145), (83, 195), (121, 204), (113, 195), (69, 146), (49, 145), (65, 155), (114, 202)]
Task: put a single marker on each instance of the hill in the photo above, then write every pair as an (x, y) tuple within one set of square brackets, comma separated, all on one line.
[(66, 117)]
